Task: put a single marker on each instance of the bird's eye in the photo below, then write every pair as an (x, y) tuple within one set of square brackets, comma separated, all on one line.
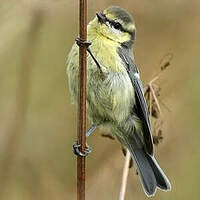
[(117, 25)]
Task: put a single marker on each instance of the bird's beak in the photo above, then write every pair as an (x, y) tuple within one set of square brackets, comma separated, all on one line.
[(101, 17)]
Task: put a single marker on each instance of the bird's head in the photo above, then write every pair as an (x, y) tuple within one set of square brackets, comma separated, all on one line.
[(116, 24)]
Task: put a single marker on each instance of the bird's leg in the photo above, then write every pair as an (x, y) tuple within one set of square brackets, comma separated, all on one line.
[(76, 146), (96, 62), (91, 130), (80, 42)]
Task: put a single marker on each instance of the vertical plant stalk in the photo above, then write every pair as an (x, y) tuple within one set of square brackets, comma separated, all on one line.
[(82, 100), (16, 129), (125, 176)]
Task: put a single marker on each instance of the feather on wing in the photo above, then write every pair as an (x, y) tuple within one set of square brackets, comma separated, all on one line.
[(140, 108)]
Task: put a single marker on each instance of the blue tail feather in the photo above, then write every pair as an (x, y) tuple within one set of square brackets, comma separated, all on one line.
[(150, 173)]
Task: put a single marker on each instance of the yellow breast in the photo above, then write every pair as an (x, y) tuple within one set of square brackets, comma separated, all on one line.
[(105, 51)]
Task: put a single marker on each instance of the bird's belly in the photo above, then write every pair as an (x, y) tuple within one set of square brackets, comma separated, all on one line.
[(110, 99)]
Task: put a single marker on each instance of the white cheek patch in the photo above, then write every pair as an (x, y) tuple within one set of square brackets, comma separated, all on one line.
[(137, 75), (115, 31)]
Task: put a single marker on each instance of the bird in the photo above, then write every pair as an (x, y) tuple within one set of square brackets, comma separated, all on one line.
[(115, 97)]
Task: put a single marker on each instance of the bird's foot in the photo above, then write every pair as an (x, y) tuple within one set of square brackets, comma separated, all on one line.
[(76, 149), (81, 42)]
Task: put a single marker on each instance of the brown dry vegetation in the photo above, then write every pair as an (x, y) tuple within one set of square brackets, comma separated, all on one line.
[(38, 122)]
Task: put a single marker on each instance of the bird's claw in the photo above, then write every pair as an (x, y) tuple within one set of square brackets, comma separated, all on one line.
[(80, 42), (76, 150)]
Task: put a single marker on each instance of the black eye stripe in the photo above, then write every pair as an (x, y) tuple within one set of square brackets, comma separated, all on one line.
[(115, 24)]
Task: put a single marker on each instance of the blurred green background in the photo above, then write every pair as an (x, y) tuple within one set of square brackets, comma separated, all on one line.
[(38, 121)]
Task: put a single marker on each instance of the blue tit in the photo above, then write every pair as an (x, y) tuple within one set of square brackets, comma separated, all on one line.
[(115, 101)]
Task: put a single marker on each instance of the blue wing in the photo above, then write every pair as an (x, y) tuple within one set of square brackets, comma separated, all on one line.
[(140, 108)]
